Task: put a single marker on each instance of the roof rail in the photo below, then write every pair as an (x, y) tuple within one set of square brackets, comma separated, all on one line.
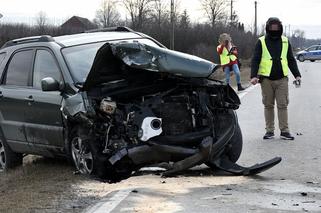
[(111, 29), (43, 38)]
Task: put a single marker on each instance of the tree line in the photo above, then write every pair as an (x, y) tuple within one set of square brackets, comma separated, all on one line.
[(153, 17)]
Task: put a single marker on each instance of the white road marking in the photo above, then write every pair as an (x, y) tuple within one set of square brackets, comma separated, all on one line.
[(109, 204), (249, 89)]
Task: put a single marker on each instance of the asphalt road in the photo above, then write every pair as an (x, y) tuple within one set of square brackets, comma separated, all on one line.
[(293, 185)]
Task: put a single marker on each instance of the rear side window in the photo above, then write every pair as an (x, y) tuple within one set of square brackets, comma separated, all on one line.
[(45, 66), (19, 68), (2, 55)]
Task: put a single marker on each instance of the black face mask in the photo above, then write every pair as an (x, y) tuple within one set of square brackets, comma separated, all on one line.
[(276, 25), (275, 34)]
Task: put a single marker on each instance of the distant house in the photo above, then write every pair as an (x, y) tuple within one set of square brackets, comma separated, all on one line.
[(77, 24)]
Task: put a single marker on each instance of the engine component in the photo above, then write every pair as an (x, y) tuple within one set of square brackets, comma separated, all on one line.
[(108, 106), (151, 127)]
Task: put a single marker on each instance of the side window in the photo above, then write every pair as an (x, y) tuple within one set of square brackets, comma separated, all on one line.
[(19, 68), (312, 48), (45, 66), (2, 55)]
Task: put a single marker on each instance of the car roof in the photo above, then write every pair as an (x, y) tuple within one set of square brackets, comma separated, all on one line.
[(97, 35), (83, 38)]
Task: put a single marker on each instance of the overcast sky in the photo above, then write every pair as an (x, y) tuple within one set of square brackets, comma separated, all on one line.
[(304, 14)]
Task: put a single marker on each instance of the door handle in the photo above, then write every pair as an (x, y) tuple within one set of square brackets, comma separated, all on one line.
[(1, 95), (29, 98)]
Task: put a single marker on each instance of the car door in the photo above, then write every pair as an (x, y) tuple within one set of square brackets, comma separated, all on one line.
[(44, 129), (13, 91), (312, 53), (318, 56)]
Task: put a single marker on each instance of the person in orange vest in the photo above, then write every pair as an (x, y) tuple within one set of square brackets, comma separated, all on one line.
[(228, 58)]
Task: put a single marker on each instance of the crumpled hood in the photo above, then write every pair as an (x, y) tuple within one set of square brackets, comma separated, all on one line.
[(112, 56)]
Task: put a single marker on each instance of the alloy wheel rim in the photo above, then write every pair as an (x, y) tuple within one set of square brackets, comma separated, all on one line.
[(2, 157), (82, 156)]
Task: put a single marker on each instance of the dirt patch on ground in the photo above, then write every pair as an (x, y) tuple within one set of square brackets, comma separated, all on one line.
[(41, 185), (50, 185)]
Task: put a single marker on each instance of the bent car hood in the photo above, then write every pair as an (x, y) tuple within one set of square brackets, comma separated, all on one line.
[(112, 57)]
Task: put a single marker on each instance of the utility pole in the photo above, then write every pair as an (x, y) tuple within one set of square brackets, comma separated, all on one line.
[(255, 19), (231, 12), (172, 31)]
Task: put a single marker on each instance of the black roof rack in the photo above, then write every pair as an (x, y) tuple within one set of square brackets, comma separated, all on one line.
[(43, 38), (111, 29)]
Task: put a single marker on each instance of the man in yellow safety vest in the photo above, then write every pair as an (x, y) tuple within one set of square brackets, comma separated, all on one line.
[(228, 58), (271, 61)]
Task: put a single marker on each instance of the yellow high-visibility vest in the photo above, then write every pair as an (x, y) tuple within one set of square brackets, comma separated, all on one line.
[(267, 61), (225, 57)]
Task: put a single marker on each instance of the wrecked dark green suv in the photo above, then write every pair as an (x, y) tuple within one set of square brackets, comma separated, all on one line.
[(113, 102)]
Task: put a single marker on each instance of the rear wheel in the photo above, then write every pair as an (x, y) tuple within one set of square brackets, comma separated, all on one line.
[(301, 58), (8, 158), (312, 60), (234, 147)]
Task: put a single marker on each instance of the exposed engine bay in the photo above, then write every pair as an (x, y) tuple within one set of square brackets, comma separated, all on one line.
[(136, 116)]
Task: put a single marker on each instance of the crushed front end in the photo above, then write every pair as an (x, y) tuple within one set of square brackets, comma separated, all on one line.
[(148, 105)]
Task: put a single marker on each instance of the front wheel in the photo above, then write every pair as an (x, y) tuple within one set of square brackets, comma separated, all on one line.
[(81, 153), (233, 149), (8, 158), (301, 58)]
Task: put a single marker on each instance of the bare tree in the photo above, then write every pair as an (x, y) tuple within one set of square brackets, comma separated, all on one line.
[(41, 21), (138, 10), (160, 11), (214, 9), (107, 15)]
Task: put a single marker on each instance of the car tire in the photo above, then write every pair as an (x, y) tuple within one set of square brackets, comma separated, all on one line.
[(233, 149), (312, 60), (8, 158), (81, 152), (301, 58)]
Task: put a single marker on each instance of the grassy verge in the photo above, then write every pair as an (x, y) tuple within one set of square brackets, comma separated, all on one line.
[(245, 76)]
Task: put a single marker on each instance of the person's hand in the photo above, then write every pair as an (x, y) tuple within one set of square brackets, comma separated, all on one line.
[(297, 82), (254, 80)]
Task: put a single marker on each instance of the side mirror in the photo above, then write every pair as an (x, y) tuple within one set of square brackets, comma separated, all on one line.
[(50, 84)]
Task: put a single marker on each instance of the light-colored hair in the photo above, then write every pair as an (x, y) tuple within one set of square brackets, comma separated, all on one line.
[(223, 37)]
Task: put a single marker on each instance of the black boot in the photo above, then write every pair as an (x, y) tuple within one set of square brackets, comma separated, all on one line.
[(239, 87)]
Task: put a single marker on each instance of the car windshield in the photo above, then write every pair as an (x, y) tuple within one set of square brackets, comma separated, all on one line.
[(80, 58)]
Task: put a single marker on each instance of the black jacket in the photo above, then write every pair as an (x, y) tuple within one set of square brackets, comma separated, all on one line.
[(275, 48)]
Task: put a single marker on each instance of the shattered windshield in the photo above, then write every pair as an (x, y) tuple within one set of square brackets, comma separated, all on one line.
[(80, 58)]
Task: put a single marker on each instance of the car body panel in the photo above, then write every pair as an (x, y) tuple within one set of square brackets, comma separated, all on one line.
[(43, 120), (311, 53), (143, 56)]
